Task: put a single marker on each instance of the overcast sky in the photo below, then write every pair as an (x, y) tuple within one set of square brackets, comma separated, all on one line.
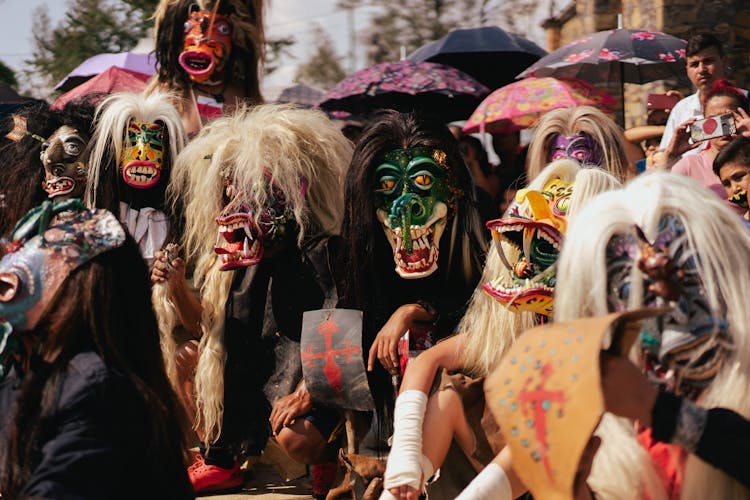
[(283, 18)]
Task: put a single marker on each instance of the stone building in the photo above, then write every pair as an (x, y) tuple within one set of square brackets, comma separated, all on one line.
[(727, 19)]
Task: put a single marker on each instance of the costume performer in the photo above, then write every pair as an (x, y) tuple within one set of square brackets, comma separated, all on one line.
[(83, 391), (263, 191), (516, 293), (686, 255), (574, 133), (46, 159), (136, 141), (209, 52), (414, 242)]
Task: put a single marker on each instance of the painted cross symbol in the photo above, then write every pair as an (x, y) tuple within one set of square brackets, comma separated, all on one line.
[(539, 401), (331, 370)]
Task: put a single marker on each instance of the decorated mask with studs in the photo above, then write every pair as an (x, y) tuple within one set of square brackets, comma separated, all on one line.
[(534, 228), (252, 223), (142, 154), (35, 266), (416, 195), (582, 148), (685, 348), (207, 47), (64, 169)]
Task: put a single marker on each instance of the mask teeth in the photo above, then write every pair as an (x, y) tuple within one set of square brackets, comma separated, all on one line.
[(246, 248)]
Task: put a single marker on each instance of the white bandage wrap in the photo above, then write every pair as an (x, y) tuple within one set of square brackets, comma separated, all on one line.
[(491, 484), (405, 461)]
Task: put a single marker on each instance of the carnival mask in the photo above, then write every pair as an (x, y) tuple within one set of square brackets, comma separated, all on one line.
[(685, 348), (142, 154), (534, 228), (416, 195), (251, 223), (33, 270), (64, 169), (582, 148), (207, 47)]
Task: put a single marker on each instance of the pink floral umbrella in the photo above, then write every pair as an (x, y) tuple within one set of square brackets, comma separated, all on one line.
[(520, 105), (407, 85), (616, 56)]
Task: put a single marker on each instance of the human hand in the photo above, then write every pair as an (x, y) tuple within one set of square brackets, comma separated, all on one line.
[(385, 347), (404, 492), (742, 123), (627, 393), (164, 271), (680, 142), (287, 409), (677, 93)]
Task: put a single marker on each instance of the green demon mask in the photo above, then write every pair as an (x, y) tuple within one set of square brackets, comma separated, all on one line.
[(416, 195)]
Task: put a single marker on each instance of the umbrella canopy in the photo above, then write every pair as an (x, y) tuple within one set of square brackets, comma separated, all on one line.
[(405, 86), (616, 56), (140, 63), (520, 105), (301, 94), (112, 80), (491, 55)]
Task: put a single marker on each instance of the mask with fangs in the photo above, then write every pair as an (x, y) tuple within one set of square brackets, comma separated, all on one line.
[(64, 170), (534, 228), (416, 196)]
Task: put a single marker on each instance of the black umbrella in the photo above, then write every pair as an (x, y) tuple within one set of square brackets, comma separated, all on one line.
[(491, 55)]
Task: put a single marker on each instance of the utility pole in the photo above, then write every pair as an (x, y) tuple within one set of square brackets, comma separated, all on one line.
[(350, 6)]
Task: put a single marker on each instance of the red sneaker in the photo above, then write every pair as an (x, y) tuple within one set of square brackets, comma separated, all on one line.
[(323, 475), (205, 478)]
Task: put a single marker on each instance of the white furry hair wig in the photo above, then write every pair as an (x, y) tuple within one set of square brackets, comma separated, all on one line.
[(622, 467), (113, 116), (490, 327), (571, 121), (293, 146)]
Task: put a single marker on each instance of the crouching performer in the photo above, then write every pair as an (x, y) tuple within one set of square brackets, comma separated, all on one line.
[(262, 195)]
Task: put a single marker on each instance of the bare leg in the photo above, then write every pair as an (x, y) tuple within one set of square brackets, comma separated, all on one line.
[(444, 421), (302, 441)]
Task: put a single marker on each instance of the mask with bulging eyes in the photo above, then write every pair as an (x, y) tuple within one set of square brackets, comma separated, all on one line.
[(207, 47), (64, 169), (581, 147), (686, 348)]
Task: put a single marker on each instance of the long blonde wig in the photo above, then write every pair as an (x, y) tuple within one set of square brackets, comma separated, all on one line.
[(622, 467), (112, 118), (297, 148), (489, 326), (571, 121)]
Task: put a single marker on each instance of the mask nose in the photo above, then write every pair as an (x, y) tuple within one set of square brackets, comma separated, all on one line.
[(8, 286)]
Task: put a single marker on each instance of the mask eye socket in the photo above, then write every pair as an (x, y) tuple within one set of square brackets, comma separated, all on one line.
[(562, 205), (423, 180), (387, 185), (188, 26), (223, 29), (229, 191), (72, 149)]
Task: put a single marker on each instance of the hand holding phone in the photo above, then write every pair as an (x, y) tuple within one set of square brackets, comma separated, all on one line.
[(712, 127)]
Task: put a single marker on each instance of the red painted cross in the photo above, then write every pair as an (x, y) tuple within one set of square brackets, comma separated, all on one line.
[(536, 399), (331, 370)]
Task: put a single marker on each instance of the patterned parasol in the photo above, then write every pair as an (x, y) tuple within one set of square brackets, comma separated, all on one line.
[(616, 56), (520, 105), (406, 86)]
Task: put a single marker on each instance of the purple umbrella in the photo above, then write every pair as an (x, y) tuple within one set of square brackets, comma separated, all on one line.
[(139, 63), (406, 86), (615, 56)]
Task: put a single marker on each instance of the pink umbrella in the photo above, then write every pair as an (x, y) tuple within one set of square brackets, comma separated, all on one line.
[(112, 80), (140, 63), (520, 105)]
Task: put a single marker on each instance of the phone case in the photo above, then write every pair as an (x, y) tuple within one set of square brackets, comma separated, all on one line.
[(711, 127), (662, 101)]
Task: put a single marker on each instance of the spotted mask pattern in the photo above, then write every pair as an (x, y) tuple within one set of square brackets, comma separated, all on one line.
[(142, 154), (252, 223), (207, 47), (416, 195), (64, 170), (534, 228), (687, 347)]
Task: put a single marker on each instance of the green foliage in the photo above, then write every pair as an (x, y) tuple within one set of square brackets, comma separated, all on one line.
[(89, 27), (7, 75), (275, 49), (323, 69)]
